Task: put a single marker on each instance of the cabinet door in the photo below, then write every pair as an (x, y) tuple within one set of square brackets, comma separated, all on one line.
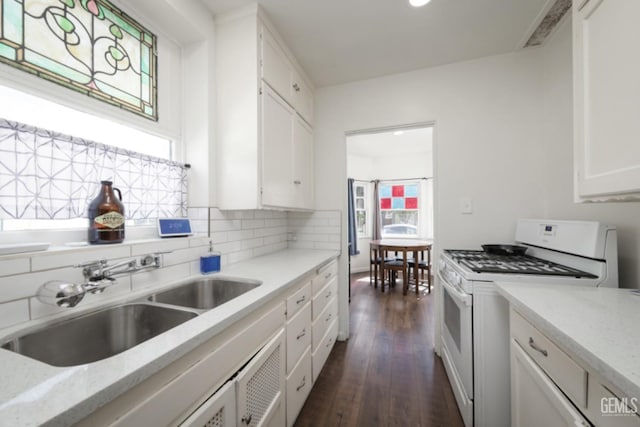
[(261, 385), (277, 137), (606, 98), (276, 68), (302, 164), (302, 98), (535, 399), (219, 410)]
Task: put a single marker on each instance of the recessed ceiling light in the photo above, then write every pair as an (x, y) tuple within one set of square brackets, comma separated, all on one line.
[(418, 3)]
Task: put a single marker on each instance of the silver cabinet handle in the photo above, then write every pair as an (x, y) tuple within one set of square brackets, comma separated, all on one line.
[(303, 333), (297, 182), (300, 300), (329, 317), (247, 419), (304, 380), (326, 276), (534, 346), (296, 87), (328, 294)]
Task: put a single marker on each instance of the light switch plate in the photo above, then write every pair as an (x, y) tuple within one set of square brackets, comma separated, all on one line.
[(466, 206)]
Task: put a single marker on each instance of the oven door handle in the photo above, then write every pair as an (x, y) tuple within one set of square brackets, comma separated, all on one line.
[(456, 294)]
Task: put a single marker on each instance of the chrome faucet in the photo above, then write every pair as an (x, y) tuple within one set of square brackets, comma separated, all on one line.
[(98, 275)]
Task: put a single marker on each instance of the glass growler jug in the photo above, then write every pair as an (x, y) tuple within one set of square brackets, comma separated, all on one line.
[(106, 216)]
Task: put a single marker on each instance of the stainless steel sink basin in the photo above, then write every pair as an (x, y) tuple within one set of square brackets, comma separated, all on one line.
[(98, 335), (205, 294)]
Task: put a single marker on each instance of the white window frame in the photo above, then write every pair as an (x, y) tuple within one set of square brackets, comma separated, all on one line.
[(366, 233), (418, 211)]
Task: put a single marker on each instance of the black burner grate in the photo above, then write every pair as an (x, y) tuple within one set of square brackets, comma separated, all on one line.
[(482, 262)]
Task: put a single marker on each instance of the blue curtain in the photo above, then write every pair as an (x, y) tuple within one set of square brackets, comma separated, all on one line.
[(353, 232)]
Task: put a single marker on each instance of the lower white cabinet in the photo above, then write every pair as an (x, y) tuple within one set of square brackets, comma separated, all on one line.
[(219, 410), (299, 383), (535, 399), (260, 386), (550, 388)]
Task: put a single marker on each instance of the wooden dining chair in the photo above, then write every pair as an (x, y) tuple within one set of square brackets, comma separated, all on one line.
[(424, 269), (376, 265), (391, 266)]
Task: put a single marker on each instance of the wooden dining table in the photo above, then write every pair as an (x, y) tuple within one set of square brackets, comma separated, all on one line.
[(406, 246)]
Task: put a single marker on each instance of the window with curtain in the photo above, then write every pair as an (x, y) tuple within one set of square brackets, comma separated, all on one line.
[(89, 46), (49, 175), (361, 204), (399, 209)]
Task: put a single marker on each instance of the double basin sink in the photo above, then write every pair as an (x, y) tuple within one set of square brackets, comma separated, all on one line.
[(107, 332)]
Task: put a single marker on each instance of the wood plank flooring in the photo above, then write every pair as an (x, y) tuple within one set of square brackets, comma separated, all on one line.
[(387, 373)]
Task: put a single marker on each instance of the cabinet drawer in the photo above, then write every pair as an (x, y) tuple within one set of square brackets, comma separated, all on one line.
[(298, 386), (296, 301), (298, 335), (605, 408), (321, 324), (323, 297), (324, 275), (569, 376), (320, 355)]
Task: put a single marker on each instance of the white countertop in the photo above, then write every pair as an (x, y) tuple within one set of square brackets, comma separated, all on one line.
[(599, 327), (34, 393)]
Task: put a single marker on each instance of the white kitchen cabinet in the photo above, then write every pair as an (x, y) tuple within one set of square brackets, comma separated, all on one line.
[(261, 386), (219, 410), (298, 329), (324, 314), (302, 167), (264, 152), (173, 395), (284, 77), (606, 99), (535, 399), (549, 386)]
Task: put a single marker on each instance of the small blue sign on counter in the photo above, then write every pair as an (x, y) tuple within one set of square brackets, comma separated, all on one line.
[(174, 227)]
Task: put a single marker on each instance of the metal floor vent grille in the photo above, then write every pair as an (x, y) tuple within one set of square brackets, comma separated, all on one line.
[(263, 387)]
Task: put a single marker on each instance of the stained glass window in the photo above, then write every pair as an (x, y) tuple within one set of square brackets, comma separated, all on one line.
[(86, 45), (399, 209)]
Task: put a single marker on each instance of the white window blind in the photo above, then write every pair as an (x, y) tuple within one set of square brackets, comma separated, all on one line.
[(49, 175)]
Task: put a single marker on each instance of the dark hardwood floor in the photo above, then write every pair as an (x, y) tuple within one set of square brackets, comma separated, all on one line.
[(387, 373)]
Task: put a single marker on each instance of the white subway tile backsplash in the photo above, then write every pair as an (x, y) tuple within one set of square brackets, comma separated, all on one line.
[(241, 235), (159, 277), (252, 223), (12, 266), (26, 285), (70, 257), (12, 313), (238, 235), (162, 245), (226, 225)]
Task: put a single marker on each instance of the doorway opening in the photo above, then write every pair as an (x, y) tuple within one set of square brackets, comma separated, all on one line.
[(392, 172)]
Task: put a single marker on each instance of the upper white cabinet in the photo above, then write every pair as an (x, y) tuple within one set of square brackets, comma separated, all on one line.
[(264, 112), (606, 99)]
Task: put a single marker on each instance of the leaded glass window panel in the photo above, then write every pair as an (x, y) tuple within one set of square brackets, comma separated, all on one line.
[(86, 45)]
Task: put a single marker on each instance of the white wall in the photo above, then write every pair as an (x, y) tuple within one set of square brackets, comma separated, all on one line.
[(487, 142), (558, 134)]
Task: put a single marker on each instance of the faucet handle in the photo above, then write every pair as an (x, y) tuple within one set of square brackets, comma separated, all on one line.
[(95, 263)]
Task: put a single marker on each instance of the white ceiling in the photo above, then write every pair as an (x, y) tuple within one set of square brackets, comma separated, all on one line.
[(339, 41)]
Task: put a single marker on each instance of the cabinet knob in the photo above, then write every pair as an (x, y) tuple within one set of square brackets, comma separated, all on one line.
[(296, 87), (247, 419), (297, 182)]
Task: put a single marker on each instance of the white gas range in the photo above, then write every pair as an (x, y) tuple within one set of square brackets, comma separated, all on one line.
[(475, 327)]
